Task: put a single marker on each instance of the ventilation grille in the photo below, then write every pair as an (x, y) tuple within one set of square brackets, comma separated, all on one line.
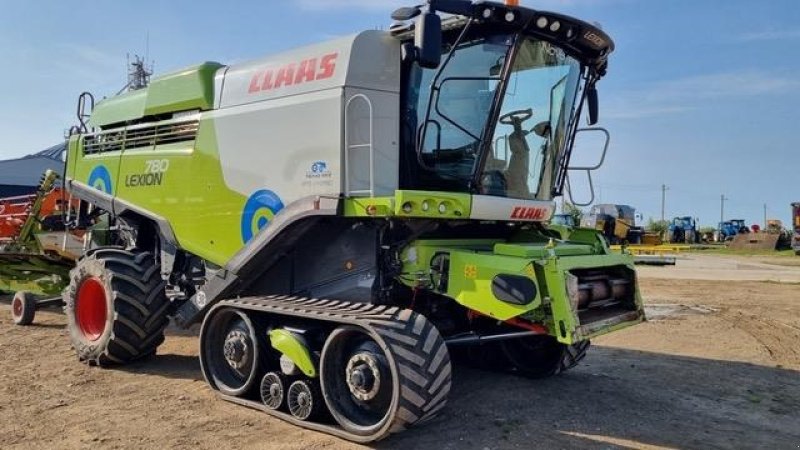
[(140, 137)]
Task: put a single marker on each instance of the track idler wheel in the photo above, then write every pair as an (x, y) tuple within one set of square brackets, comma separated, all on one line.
[(229, 351), (23, 308)]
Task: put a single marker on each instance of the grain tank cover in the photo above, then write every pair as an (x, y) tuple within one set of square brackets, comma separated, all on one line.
[(188, 89), (368, 60)]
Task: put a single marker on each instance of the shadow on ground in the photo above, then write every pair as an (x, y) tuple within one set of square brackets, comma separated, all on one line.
[(617, 398)]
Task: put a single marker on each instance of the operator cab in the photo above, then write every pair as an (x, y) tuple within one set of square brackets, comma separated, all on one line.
[(498, 114)]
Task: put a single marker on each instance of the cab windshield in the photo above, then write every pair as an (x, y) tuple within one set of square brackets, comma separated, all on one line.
[(524, 146)]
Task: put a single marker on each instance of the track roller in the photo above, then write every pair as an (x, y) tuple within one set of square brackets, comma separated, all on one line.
[(304, 400), (273, 387)]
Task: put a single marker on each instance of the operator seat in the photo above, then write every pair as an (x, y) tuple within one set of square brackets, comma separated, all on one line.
[(517, 173)]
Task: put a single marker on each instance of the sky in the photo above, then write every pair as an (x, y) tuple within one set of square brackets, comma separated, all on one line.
[(701, 95)]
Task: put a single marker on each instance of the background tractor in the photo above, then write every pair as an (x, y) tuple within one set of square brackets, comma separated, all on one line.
[(682, 230), (341, 217), (731, 228)]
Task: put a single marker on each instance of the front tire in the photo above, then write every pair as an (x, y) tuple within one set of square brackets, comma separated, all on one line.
[(542, 356), (116, 306)]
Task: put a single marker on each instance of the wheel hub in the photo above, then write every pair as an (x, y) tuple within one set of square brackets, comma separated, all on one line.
[(236, 349), (363, 376), (303, 400), (17, 307), (91, 311)]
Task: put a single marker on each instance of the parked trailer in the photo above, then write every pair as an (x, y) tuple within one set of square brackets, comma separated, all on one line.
[(37, 249)]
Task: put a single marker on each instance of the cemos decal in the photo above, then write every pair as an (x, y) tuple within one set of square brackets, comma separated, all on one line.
[(319, 169), (100, 179), (259, 210)]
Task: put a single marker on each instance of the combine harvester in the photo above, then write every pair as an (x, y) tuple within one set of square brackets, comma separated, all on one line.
[(338, 218), (36, 249)]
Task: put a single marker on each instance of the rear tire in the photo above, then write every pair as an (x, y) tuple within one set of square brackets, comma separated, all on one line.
[(542, 356), (23, 308), (116, 306)]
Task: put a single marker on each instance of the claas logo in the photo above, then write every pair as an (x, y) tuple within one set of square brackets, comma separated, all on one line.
[(312, 69), (526, 213)]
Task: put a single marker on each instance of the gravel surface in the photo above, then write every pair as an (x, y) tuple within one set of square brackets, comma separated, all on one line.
[(718, 366)]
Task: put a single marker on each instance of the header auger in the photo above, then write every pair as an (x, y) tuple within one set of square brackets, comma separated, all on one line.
[(343, 217)]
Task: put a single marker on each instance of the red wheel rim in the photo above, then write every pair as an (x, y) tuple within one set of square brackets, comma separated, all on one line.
[(16, 307), (90, 309)]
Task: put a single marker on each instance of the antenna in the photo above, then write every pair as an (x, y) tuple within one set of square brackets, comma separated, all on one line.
[(138, 74), (138, 70)]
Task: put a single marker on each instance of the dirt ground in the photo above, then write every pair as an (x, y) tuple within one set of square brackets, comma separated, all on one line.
[(717, 366)]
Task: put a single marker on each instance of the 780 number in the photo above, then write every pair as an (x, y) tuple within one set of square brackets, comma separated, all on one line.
[(156, 166)]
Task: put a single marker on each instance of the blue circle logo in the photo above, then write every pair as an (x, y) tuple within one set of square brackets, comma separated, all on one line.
[(100, 179), (258, 212)]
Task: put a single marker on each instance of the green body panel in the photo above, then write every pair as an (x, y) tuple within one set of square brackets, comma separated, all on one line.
[(188, 89), (473, 264), (191, 194), (456, 205), (185, 90), (470, 282), (293, 348), (540, 251), (119, 109), (193, 197)]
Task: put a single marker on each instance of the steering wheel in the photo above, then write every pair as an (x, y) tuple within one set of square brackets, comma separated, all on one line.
[(516, 117)]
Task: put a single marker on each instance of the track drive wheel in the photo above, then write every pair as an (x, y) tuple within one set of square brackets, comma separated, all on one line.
[(542, 356), (230, 351), (116, 306), (23, 308), (376, 383)]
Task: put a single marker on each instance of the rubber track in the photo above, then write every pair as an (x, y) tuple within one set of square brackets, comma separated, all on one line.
[(424, 372)]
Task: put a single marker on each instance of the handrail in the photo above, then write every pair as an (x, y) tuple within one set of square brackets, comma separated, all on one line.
[(348, 147)]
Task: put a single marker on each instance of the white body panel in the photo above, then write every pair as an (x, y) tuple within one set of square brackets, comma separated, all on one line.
[(288, 123), (485, 207), (265, 145)]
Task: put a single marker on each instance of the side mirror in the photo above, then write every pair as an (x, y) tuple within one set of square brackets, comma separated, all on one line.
[(428, 40), (588, 168), (593, 104)]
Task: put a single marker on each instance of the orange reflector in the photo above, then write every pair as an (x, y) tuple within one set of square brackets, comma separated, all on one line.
[(512, 2), (372, 210)]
